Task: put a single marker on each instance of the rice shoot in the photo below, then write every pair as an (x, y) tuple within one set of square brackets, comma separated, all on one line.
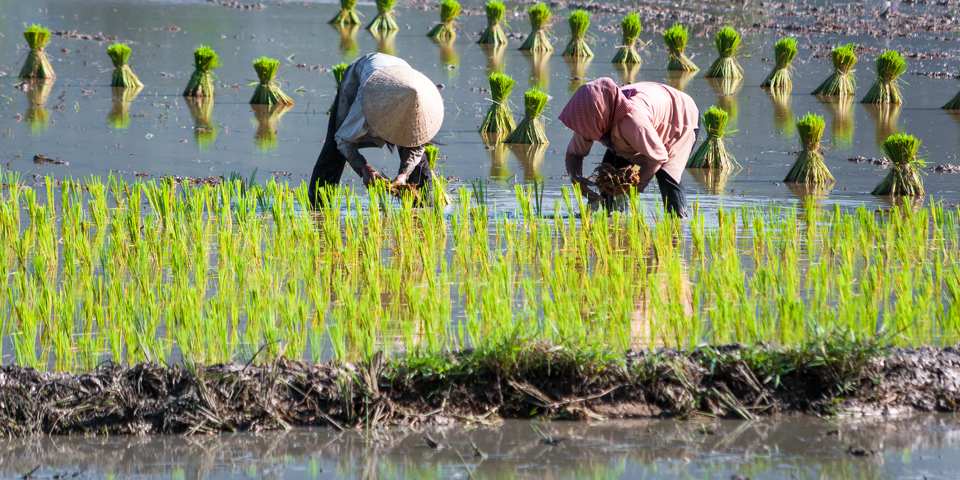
[(446, 30), (726, 65), (348, 14), (493, 34), (904, 176), (499, 118), (123, 75), (384, 20), (531, 130), (431, 151), (268, 91), (779, 79), (953, 104), (809, 167), (676, 38), (338, 71), (579, 21), (890, 65), (37, 65), (202, 83), (712, 152), (539, 40), (630, 30), (841, 82)]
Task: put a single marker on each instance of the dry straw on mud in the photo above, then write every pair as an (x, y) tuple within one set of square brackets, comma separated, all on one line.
[(726, 65), (780, 79), (268, 91), (499, 118), (712, 153), (530, 129), (579, 21), (493, 34), (841, 82), (809, 167), (384, 20), (676, 39), (539, 40), (904, 176), (123, 75), (265, 139), (890, 65), (348, 14), (630, 29), (446, 30), (37, 65), (119, 117), (202, 83)]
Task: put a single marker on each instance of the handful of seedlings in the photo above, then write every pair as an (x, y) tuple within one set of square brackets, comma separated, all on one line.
[(809, 167), (904, 176), (348, 14), (538, 41), (890, 65), (579, 21), (779, 79), (712, 153), (631, 28), (840, 82), (201, 83), (37, 64), (616, 181), (727, 42), (493, 34), (338, 71), (123, 75), (446, 31), (268, 92), (499, 118), (384, 20), (676, 39), (530, 130)]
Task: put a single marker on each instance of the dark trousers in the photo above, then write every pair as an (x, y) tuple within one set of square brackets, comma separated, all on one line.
[(674, 202)]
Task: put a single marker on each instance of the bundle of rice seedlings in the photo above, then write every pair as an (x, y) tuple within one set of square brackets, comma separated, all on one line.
[(530, 158), (680, 79), (499, 118), (494, 55), (268, 91), (809, 167), (446, 30), (37, 117), (119, 117), (840, 82), (904, 176), (204, 128), (386, 41), (627, 71), (579, 21), (265, 139), (783, 118), (530, 130), (493, 34), (713, 181), (384, 20), (202, 83), (432, 152), (616, 181), (348, 14), (890, 65), (538, 41), (348, 40), (123, 75), (727, 42), (37, 65), (539, 70), (712, 152), (779, 79), (631, 28), (676, 39), (953, 104)]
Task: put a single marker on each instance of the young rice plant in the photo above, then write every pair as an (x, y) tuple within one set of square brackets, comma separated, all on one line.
[(579, 21), (499, 118), (890, 65), (531, 130), (630, 29), (123, 75), (268, 90), (726, 65), (841, 82), (37, 65), (384, 20), (903, 178), (446, 30), (202, 82), (348, 14), (539, 40), (779, 79), (493, 34), (676, 38), (809, 167), (712, 152)]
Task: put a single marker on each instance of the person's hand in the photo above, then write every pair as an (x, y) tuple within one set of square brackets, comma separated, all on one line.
[(585, 185), (400, 180), (371, 176)]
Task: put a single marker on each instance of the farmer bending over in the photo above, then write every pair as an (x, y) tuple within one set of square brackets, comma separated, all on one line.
[(381, 101)]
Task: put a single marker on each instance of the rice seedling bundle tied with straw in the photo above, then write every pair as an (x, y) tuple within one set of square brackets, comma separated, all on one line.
[(384, 20), (201, 83), (676, 39), (539, 40), (348, 14), (577, 48), (446, 30), (268, 91), (953, 104), (499, 118), (37, 65), (779, 79), (903, 177), (630, 31), (841, 82), (713, 153), (726, 65), (493, 34), (890, 65), (530, 130), (809, 167), (123, 75)]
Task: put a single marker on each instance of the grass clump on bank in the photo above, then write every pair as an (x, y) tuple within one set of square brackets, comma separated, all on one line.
[(446, 30), (630, 29), (123, 75), (268, 90), (890, 65), (348, 14), (493, 34), (539, 40), (780, 78), (841, 82), (384, 20), (202, 82), (530, 130), (726, 65), (37, 65), (676, 38), (712, 152), (903, 177), (579, 22), (809, 167), (499, 117)]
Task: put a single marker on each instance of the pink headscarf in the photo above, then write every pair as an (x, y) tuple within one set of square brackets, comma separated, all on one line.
[(595, 107)]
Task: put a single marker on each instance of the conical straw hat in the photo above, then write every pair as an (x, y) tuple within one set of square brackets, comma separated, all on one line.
[(402, 106)]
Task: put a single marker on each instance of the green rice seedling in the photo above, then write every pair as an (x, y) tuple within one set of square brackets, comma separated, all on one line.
[(726, 65), (123, 75), (119, 117), (204, 129), (446, 30), (579, 21), (780, 78), (338, 71), (841, 82), (630, 29), (201, 82), (432, 152), (712, 152), (809, 167), (493, 34), (384, 20), (530, 130), (499, 117), (904, 176), (268, 91), (267, 116), (676, 39), (348, 14), (348, 40), (539, 39), (890, 65), (37, 65), (953, 104)]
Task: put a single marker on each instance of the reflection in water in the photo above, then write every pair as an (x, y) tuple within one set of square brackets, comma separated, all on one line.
[(386, 41), (713, 180), (841, 123), (816, 190), (119, 117), (204, 129), (578, 72), (37, 117), (887, 116), (539, 69), (265, 140), (726, 90), (449, 58), (627, 71), (498, 151), (530, 158), (348, 41), (494, 54), (680, 80), (783, 118)]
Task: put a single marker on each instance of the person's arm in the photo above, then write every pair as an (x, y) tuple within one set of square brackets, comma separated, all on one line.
[(578, 148), (359, 164), (641, 135), (409, 159)]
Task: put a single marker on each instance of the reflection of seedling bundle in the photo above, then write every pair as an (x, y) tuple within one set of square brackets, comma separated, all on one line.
[(809, 167), (202, 81), (631, 28), (627, 71), (887, 117), (782, 113), (268, 91), (712, 153), (904, 176), (348, 14), (432, 151), (123, 75), (348, 40), (384, 19), (119, 117), (204, 129), (498, 155), (386, 41), (538, 41), (449, 58), (499, 118), (616, 181), (890, 65), (713, 181), (679, 79), (577, 48), (265, 140), (530, 157), (726, 90), (494, 55), (727, 42), (493, 35), (953, 104), (37, 65), (676, 39), (539, 70), (841, 81), (779, 79), (578, 70), (37, 116), (446, 31), (530, 129)]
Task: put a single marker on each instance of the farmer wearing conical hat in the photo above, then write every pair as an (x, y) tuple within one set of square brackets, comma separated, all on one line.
[(646, 124), (381, 101)]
